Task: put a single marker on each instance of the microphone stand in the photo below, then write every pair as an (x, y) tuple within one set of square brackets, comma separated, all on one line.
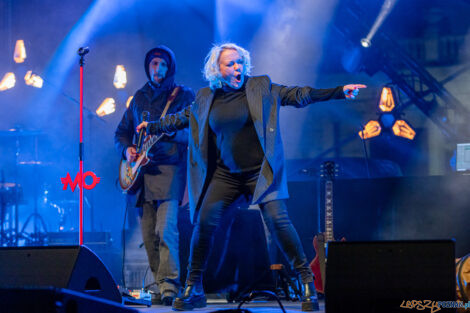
[(81, 52), (90, 201)]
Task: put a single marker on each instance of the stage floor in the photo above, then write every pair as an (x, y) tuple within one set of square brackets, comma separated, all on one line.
[(255, 307)]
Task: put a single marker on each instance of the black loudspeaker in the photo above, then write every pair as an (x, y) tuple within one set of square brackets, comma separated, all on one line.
[(71, 267), (55, 300), (387, 276)]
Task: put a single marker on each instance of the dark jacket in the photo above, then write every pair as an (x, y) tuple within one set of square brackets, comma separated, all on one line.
[(147, 99), (264, 101), (166, 172)]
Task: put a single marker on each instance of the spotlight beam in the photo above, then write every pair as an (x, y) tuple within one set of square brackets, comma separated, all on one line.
[(387, 7)]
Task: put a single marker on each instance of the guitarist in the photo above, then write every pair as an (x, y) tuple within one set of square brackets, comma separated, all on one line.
[(164, 178)]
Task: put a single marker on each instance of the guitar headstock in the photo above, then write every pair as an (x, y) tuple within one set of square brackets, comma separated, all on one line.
[(329, 170)]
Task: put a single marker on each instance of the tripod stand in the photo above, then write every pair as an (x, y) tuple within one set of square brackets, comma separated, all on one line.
[(36, 237), (7, 196)]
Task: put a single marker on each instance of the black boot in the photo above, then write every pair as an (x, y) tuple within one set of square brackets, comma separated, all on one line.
[(191, 297), (309, 298), (168, 297)]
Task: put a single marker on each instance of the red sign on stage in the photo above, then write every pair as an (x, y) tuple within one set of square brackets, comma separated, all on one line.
[(67, 180)]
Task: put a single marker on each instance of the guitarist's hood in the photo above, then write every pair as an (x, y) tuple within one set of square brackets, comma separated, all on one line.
[(165, 53)]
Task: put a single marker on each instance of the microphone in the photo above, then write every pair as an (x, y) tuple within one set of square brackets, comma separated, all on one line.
[(145, 118), (83, 50)]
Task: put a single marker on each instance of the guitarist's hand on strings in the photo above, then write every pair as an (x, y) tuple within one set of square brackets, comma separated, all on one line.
[(131, 154)]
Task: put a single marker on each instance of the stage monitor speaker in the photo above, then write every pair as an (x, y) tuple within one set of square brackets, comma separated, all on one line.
[(71, 267), (55, 300), (387, 276)]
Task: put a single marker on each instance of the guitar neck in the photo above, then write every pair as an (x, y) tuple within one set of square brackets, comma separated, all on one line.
[(329, 211), (150, 142)]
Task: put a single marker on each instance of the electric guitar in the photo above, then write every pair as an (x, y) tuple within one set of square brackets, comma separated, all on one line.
[(320, 241), (130, 179)]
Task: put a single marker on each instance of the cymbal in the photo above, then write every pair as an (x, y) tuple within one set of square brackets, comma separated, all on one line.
[(7, 185), (34, 163), (19, 132)]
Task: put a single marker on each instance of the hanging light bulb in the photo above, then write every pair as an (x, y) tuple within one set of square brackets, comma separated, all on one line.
[(128, 102), (106, 107), (120, 77), (20, 52), (402, 129), (371, 129), (386, 103), (33, 80), (8, 81)]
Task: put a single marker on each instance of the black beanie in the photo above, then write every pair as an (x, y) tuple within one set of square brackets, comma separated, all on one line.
[(158, 54)]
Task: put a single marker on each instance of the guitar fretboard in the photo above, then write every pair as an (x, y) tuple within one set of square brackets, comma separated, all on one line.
[(329, 211), (150, 142)]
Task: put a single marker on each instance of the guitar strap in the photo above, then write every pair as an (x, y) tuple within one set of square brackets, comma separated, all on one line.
[(172, 97)]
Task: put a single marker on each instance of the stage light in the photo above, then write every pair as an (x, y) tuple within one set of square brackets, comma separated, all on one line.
[(106, 107), (387, 7), (128, 102), (372, 129), (33, 80), (402, 129), (365, 42), (8, 81), (120, 77), (19, 54), (389, 118), (387, 102)]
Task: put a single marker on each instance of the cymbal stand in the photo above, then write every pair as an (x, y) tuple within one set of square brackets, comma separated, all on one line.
[(17, 155), (36, 238), (3, 207), (35, 191)]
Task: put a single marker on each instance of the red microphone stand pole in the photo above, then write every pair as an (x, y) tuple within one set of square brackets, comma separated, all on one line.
[(81, 52)]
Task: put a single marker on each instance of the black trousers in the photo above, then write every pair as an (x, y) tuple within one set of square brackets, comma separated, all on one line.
[(223, 191)]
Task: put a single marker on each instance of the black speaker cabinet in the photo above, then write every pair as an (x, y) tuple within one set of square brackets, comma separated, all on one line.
[(55, 300), (71, 267), (387, 276)]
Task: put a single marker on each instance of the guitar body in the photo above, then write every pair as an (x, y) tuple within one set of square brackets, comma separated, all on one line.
[(130, 181), (318, 263), (130, 178)]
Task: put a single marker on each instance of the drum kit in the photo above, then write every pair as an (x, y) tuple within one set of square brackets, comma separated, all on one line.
[(16, 199)]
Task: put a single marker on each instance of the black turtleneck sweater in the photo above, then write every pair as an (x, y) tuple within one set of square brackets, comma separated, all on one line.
[(233, 131)]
